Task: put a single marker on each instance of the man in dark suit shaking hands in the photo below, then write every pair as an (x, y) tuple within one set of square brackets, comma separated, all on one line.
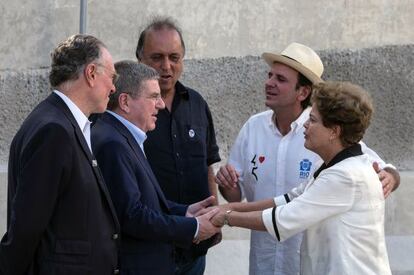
[(60, 219), (151, 225)]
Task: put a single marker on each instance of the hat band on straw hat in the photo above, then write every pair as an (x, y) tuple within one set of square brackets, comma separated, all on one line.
[(300, 58)]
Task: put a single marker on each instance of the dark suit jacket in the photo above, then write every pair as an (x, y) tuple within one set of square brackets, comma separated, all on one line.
[(150, 224), (60, 219)]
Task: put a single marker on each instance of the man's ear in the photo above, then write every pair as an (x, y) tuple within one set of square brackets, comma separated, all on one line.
[(304, 92), (123, 102), (90, 73)]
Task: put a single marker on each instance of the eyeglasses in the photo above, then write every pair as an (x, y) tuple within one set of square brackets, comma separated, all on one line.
[(113, 75), (154, 97)]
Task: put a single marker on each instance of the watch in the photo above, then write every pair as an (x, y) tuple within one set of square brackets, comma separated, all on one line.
[(226, 216)]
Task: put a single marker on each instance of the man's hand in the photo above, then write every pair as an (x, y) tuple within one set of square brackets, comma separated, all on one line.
[(206, 229), (222, 207), (389, 178), (197, 208), (218, 219), (227, 177)]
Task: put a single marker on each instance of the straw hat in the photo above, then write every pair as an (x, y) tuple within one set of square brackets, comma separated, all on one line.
[(301, 58)]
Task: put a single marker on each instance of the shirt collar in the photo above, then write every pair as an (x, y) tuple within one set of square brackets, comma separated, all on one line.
[(139, 135), (181, 90), (296, 125), (80, 117), (351, 151)]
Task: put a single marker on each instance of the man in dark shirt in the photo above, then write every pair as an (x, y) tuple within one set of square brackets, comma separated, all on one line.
[(183, 146)]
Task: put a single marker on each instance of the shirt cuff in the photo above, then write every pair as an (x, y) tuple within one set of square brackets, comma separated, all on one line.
[(269, 221), (196, 233), (281, 200)]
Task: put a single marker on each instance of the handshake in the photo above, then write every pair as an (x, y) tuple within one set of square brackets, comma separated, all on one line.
[(210, 218)]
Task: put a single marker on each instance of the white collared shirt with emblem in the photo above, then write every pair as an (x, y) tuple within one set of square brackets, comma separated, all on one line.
[(271, 164)]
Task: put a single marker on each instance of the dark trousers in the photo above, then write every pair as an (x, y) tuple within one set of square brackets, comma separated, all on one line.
[(194, 267)]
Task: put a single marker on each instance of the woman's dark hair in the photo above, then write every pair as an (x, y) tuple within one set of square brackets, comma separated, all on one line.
[(344, 104)]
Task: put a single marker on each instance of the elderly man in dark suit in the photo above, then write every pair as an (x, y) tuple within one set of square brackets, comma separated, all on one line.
[(151, 225), (60, 218)]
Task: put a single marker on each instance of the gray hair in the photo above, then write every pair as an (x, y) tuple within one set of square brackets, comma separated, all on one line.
[(70, 57), (131, 77), (156, 24)]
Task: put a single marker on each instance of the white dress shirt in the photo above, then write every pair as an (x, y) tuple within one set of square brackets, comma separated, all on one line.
[(80, 117), (139, 135)]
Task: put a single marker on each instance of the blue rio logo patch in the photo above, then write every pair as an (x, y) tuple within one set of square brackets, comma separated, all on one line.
[(304, 169)]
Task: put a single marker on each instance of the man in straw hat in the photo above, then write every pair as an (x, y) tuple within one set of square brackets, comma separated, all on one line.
[(268, 157)]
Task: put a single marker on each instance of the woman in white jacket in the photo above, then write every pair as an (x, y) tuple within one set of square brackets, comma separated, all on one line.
[(341, 209)]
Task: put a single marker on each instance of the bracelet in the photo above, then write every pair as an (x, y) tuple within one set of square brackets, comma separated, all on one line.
[(226, 217)]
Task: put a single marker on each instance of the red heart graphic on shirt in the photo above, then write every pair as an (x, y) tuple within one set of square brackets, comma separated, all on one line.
[(261, 159)]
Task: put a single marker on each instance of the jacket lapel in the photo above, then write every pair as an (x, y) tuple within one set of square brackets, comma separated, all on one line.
[(138, 153), (57, 101)]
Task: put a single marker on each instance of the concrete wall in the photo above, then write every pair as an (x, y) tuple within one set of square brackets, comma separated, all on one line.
[(214, 28), (234, 89)]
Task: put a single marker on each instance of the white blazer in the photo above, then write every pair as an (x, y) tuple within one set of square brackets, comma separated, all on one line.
[(342, 211)]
